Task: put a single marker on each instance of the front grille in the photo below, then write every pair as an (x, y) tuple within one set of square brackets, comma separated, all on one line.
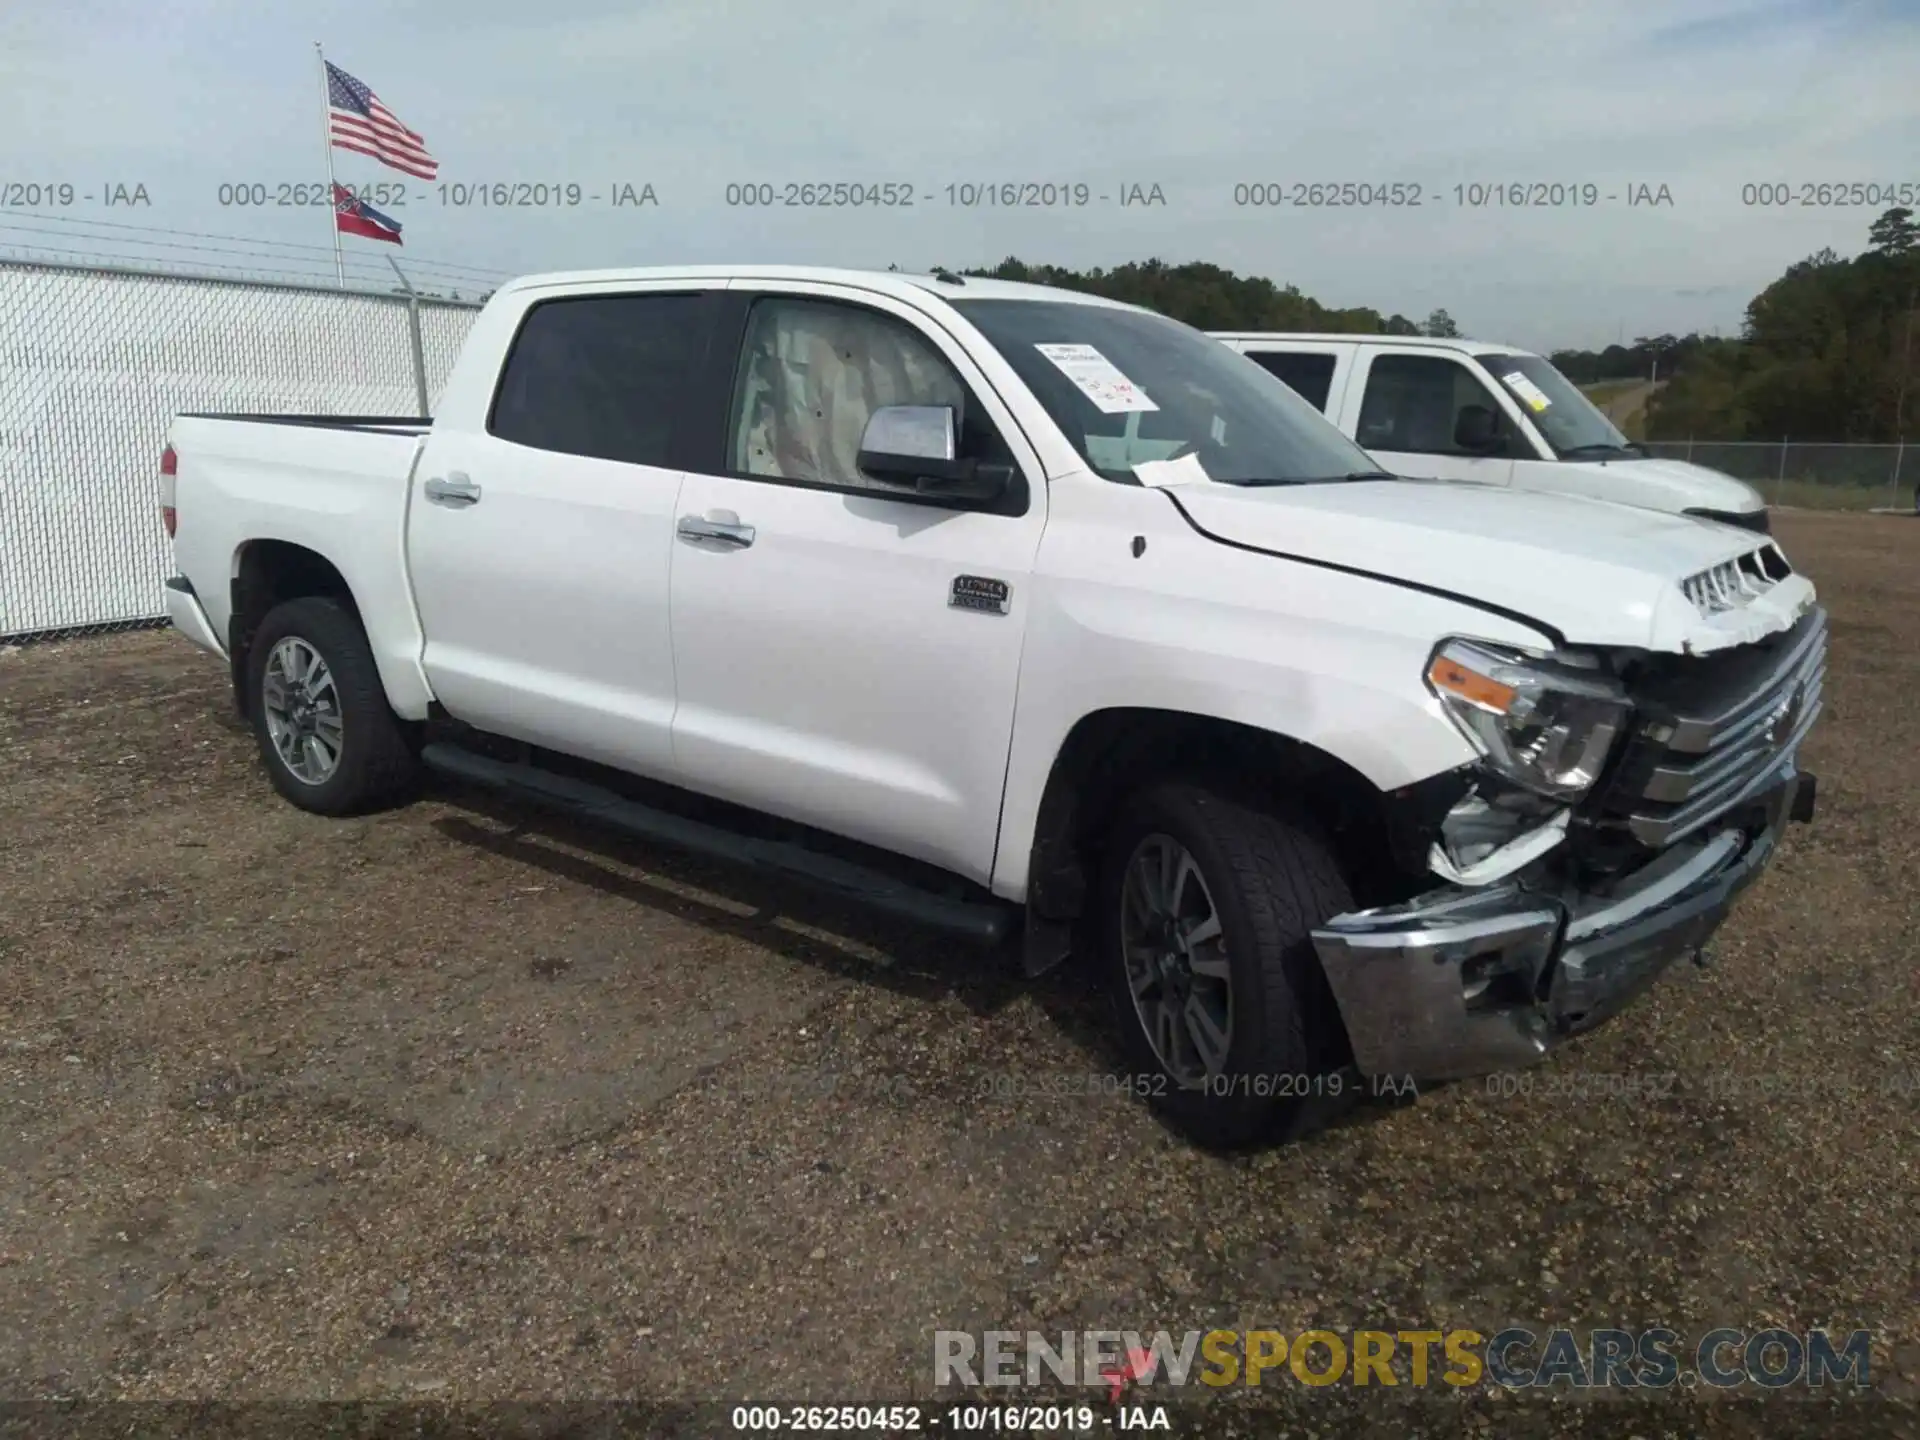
[(1710, 734), (1734, 583)]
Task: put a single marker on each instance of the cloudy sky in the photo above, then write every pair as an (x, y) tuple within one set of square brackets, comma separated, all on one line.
[(1702, 97)]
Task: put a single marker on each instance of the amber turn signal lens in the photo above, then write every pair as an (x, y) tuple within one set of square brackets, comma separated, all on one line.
[(1457, 679)]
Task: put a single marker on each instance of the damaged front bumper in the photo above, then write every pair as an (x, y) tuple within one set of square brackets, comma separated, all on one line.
[(1464, 982)]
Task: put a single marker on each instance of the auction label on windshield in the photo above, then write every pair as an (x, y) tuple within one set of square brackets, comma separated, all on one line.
[(1536, 398), (1096, 377)]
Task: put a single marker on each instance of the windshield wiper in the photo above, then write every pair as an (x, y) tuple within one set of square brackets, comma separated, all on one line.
[(1599, 452)]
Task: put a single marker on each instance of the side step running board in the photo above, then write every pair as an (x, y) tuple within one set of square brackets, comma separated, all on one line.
[(988, 922)]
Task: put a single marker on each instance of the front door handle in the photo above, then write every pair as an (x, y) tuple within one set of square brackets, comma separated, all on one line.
[(455, 490), (727, 531)]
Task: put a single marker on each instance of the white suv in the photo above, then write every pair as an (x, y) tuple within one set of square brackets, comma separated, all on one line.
[(1472, 410)]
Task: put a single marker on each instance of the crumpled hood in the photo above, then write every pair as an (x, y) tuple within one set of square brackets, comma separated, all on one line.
[(1600, 574)]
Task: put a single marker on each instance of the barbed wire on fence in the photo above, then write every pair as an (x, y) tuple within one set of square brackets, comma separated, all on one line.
[(293, 260)]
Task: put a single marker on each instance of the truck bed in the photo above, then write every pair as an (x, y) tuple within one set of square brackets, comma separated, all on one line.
[(333, 485), (403, 424)]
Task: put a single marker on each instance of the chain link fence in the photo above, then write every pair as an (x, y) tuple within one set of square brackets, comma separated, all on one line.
[(1810, 476), (95, 363)]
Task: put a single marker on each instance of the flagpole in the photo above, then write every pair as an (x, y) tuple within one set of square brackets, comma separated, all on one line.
[(326, 130)]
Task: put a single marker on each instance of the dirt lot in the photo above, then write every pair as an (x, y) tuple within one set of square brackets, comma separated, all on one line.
[(464, 1104)]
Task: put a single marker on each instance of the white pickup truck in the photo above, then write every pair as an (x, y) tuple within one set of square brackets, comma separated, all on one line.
[(1492, 414), (1039, 618)]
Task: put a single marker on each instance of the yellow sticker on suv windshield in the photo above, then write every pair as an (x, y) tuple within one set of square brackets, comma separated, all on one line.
[(1534, 397)]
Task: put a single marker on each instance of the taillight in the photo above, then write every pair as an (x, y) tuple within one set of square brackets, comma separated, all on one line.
[(169, 468)]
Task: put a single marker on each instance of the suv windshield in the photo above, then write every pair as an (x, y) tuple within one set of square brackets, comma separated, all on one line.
[(1565, 417), (1128, 387)]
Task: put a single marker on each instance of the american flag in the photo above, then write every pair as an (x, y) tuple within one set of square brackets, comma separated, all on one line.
[(357, 121)]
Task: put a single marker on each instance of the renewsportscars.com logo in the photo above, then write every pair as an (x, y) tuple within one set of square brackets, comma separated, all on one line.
[(1513, 1358)]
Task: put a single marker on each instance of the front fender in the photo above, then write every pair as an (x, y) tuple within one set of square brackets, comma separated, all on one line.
[(1330, 660)]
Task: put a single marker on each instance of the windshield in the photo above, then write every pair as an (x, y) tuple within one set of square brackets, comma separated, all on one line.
[(1128, 387), (1568, 420)]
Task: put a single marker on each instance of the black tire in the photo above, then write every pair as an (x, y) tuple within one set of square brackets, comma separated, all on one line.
[(377, 761), (1271, 880)]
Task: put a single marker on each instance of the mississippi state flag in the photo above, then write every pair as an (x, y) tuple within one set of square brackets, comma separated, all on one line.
[(356, 217)]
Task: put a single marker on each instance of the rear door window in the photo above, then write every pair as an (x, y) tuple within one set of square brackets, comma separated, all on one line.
[(1308, 373), (603, 375)]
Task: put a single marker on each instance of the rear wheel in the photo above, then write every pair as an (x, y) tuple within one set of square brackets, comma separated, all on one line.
[(330, 742), (1208, 909)]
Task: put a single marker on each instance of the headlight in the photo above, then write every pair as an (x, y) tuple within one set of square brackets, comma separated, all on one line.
[(1546, 724)]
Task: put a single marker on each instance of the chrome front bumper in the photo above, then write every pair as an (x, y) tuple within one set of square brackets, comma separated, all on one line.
[(1467, 982)]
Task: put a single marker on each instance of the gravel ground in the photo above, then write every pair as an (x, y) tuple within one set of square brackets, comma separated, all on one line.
[(464, 1104)]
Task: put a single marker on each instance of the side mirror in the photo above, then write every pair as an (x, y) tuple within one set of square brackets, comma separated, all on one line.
[(916, 444), (903, 434), (1477, 428)]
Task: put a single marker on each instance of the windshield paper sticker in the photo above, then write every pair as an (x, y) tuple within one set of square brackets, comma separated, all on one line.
[(1158, 474), (1111, 392), (1535, 398)]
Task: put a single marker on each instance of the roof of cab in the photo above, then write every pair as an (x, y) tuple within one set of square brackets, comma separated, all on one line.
[(1463, 344), (887, 282)]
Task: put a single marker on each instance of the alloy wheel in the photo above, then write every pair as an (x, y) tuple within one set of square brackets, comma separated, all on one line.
[(1175, 954), (301, 704)]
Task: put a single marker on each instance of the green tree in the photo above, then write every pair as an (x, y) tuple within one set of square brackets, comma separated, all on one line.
[(1825, 353), (1441, 327), (1206, 296), (1704, 397), (1894, 233)]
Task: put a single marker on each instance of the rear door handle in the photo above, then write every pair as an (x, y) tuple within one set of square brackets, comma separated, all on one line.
[(714, 527), (455, 490)]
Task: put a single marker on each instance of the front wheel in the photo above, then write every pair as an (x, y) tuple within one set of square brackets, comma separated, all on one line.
[(329, 740), (1208, 909)]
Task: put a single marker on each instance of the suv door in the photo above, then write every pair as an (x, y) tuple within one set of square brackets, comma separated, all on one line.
[(539, 546), (1408, 409), (830, 666)]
